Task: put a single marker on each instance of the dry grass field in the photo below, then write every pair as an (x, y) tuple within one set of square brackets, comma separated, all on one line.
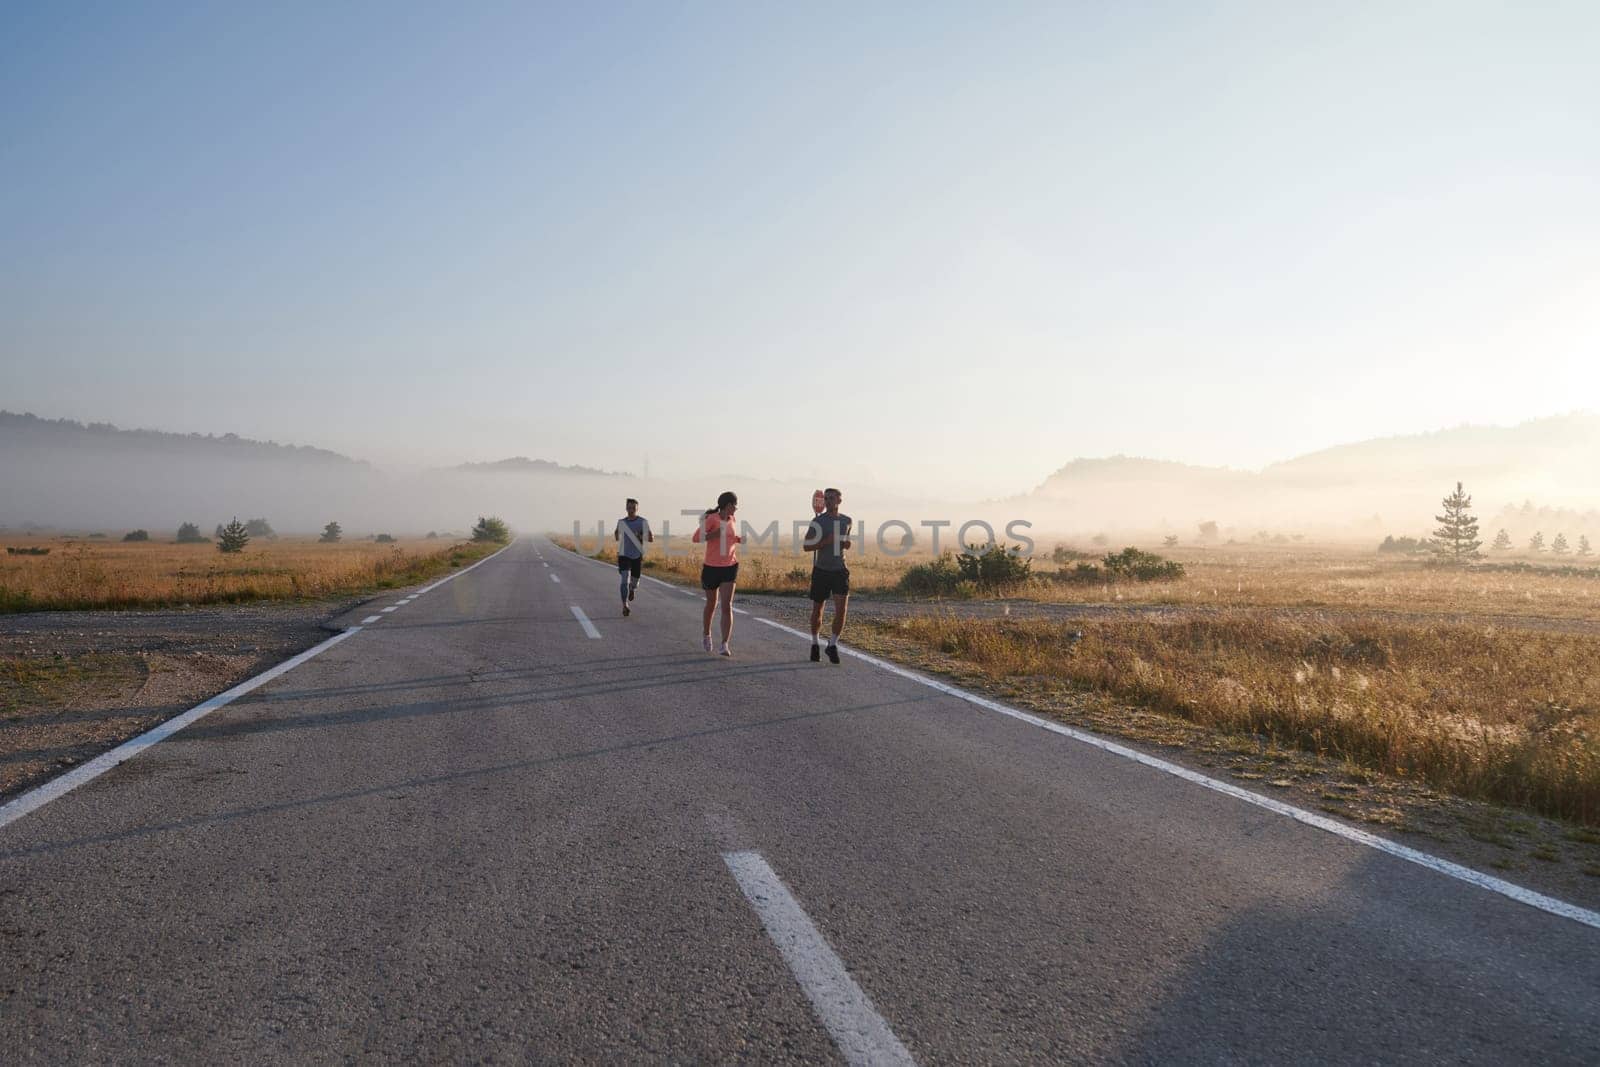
[(1479, 681), (84, 574)]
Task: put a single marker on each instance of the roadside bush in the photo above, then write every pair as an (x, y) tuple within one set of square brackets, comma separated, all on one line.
[(996, 567), (1141, 566), (1081, 574), (937, 578), (136, 535), (492, 529), (1405, 545), (1065, 554)]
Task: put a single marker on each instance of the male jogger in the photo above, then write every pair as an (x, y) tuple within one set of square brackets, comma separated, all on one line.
[(632, 531), (827, 538)]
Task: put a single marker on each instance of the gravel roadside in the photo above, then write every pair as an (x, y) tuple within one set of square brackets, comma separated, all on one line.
[(73, 684)]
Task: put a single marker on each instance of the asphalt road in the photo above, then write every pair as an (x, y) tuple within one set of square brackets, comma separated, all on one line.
[(472, 831)]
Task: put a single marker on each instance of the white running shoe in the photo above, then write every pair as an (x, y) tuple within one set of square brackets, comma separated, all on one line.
[(725, 652), (708, 642)]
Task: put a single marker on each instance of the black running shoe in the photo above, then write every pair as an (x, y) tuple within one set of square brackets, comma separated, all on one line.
[(833, 653), (631, 590), (625, 611), (816, 654)]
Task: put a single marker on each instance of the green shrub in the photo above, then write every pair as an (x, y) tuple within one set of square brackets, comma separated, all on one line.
[(136, 535), (383, 539), (937, 578), (1406, 545), (332, 534), (492, 529), (189, 534), (996, 567), (1141, 566)]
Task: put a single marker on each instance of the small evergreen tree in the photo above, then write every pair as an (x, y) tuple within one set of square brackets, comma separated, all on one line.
[(1170, 541), (1456, 539), (1584, 548), (1559, 545), (331, 534), (189, 534), (1502, 542), (232, 537), (491, 529), (217, 533), (136, 535), (1536, 542)]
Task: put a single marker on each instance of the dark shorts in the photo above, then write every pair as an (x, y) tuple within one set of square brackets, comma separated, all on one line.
[(711, 577), (825, 584), (630, 566)]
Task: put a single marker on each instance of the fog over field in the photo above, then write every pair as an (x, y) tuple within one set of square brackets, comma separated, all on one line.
[(66, 475)]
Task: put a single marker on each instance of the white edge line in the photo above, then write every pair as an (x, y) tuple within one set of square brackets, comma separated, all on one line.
[(452, 576), (1423, 859), (370, 619), (44, 794), (862, 1035), (588, 627), (38, 797)]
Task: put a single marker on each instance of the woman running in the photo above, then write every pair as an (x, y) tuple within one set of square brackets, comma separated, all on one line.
[(721, 568)]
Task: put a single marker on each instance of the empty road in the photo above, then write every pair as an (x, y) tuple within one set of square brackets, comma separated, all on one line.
[(500, 822)]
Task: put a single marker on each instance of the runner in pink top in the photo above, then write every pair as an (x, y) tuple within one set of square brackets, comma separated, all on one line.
[(721, 568)]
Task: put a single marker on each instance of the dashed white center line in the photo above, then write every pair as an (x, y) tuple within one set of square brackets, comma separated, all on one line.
[(588, 627), (545, 564), (370, 619), (392, 607), (556, 578), (860, 1032)]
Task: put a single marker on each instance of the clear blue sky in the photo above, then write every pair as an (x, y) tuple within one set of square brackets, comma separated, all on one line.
[(941, 246)]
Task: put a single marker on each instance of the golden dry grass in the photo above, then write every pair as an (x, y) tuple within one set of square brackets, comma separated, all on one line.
[(1510, 716), (1423, 671), (79, 575), (1247, 576)]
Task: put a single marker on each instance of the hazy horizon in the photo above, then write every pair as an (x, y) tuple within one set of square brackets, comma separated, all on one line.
[(945, 251)]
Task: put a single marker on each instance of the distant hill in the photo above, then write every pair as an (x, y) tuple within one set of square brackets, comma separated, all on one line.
[(1391, 481), (27, 432), (524, 465)]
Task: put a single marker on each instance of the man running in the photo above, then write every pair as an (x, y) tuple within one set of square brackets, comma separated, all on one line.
[(632, 531), (828, 537)]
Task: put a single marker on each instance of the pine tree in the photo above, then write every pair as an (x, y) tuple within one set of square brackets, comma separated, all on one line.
[(1584, 548), (1456, 539), (331, 533), (1502, 542), (189, 534), (232, 537), (1536, 542), (1559, 545)]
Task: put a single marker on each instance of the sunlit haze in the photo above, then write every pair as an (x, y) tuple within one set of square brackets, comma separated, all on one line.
[(946, 250)]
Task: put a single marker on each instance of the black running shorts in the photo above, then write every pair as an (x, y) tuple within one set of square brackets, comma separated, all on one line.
[(825, 584), (711, 577), (630, 567)]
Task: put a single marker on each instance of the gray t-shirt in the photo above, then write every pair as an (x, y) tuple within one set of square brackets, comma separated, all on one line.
[(634, 531), (832, 557)]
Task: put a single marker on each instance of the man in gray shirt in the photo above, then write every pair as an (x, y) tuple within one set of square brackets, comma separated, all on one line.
[(827, 538), (632, 531)]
